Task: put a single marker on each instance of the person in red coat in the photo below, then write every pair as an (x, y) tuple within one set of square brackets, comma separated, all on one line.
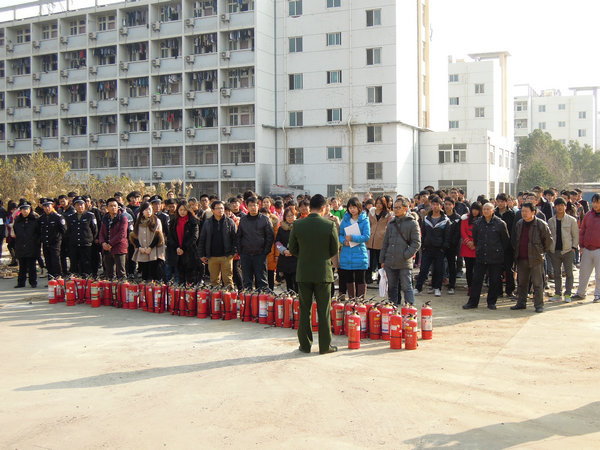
[(113, 238), (467, 248)]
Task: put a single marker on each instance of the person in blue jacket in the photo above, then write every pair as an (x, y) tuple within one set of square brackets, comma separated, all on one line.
[(354, 259)]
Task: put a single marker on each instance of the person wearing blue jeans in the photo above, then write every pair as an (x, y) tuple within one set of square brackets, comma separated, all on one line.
[(401, 242)]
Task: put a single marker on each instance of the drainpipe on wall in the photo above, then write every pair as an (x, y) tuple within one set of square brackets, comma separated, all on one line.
[(275, 84), (351, 142)]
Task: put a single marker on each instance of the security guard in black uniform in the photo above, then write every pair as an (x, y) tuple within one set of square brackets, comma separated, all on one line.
[(52, 230), (157, 208), (82, 230), (65, 210), (96, 248)]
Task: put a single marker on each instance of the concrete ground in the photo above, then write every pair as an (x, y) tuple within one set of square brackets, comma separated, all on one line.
[(77, 377)]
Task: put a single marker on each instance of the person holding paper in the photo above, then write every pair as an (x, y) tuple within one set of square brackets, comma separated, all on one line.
[(355, 231)]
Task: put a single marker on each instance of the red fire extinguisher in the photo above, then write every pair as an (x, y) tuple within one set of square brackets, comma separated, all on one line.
[(353, 331), (52, 294), (296, 308), (202, 301), (262, 308), (279, 311), (361, 310), (270, 309), (133, 296), (60, 290), (88, 291), (159, 298), (234, 304), (80, 290), (71, 292), (227, 305), (288, 311), (149, 297), (95, 294), (338, 318), (124, 294), (408, 310), (314, 317), (348, 310), (247, 316), (182, 309), (374, 323), (427, 321), (215, 305), (396, 331), (386, 312), (410, 333)]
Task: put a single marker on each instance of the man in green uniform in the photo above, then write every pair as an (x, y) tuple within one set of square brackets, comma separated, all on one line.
[(314, 241)]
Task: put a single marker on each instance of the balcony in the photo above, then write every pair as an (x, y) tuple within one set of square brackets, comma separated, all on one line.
[(141, 138), (21, 146), (105, 141), (136, 69), (74, 109), (21, 115), (170, 28), (201, 135), (241, 57), (49, 79), (20, 82), (107, 107), (48, 45), (136, 104), (202, 24), (76, 142), (48, 111), (168, 137), (79, 41), (242, 133), (167, 65), (20, 50), (166, 173), (239, 20), (136, 33), (49, 143), (105, 37), (201, 98), (169, 101), (109, 71), (135, 173), (76, 75), (241, 171), (239, 96), (204, 61)]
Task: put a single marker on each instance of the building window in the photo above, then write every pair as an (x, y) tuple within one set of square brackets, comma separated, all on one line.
[(23, 35), (106, 23), (241, 115), (562, 124), (333, 190), (295, 118), (374, 94), (373, 56), (581, 132), (296, 156), (520, 106), (50, 31), (447, 185), (374, 134), (480, 112), (334, 3), (582, 114), (453, 78), (521, 123), (492, 158), (334, 152), (454, 101), (24, 98), (501, 159), (295, 44), (542, 125), (167, 156), (492, 189), (374, 171), (334, 38), (452, 153), (334, 76), (295, 80), (373, 17), (479, 88), (334, 115), (233, 6), (541, 108), (295, 7), (453, 124), (561, 107), (237, 153)]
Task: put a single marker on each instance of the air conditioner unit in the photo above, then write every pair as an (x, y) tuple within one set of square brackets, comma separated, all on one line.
[(64, 73), (124, 31), (156, 26), (65, 140), (10, 79), (37, 109), (10, 111), (124, 100), (226, 130), (36, 44), (156, 134), (225, 17), (191, 174), (191, 132), (226, 92), (37, 76), (10, 142), (157, 174), (64, 40), (189, 22), (37, 141), (227, 173), (191, 95), (189, 59), (156, 98), (64, 106), (92, 35), (124, 65), (93, 70), (125, 136), (10, 47), (156, 62), (93, 137), (93, 104), (226, 55)]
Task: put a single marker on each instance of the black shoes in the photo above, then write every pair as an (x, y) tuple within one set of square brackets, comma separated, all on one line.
[(331, 349), (515, 307), (539, 309), (304, 350), (491, 306), (468, 306), (19, 286)]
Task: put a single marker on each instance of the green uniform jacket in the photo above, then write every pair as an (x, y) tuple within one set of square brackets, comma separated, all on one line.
[(314, 241)]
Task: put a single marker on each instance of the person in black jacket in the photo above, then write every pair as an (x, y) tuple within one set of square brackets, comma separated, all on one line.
[(96, 249), (451, 250), (216, 245), (184, 231), (254, 241), (157, 208), (52, 230), (65, 210), (490, 236), (27, 244), (82, 230), (508, 216), (3, 217), (286, 263)]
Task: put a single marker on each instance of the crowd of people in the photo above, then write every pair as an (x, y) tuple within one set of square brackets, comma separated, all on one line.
[(512, 245)]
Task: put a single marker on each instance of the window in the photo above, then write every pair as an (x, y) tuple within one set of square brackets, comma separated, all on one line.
[(454, 101), (50, 31), (521, 123), (167, 156), (233, 6), (373, 17), (480, 112), (135, 157), (295, 118), (295, 44), (479, 88), (333, 189), (453, 78), (237, 153), (77, 27), (520, 106), (582, 114), (561, 107), (334, 38), (334, 76), (453, 124), (501, 159), (77, 160), (296, 156), (24, 98), (581, 132), (241, 115), (106, 23), (373, 56), (334, 152), (23, 35), (374, 134), (334, 115), (295, 7), (492, 189), (295, 80), (334, 3), (542, 125), (452, 153), (374, 94), (541, 108), (562, 124), (492, 157), (374, 171), (449, 184)]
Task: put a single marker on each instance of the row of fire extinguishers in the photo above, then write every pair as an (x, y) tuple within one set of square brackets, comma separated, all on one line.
[(355, 318)]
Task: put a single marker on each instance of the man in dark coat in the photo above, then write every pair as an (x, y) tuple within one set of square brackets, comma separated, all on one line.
[(314, 240), (508, 216), (113, 238), (27, 244), (52, 230), (82, 230)]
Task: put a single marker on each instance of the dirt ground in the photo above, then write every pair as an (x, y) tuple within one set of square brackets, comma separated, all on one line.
[(77, 377)]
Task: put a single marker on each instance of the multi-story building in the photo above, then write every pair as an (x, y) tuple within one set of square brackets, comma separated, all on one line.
[(477, 153), (227, 95), (566, 117)]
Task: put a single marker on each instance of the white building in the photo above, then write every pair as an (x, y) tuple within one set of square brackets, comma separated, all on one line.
[(227, 95), (477, 153), (565, 117)]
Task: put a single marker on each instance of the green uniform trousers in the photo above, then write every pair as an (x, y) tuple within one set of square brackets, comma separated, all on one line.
[(322, 294)]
